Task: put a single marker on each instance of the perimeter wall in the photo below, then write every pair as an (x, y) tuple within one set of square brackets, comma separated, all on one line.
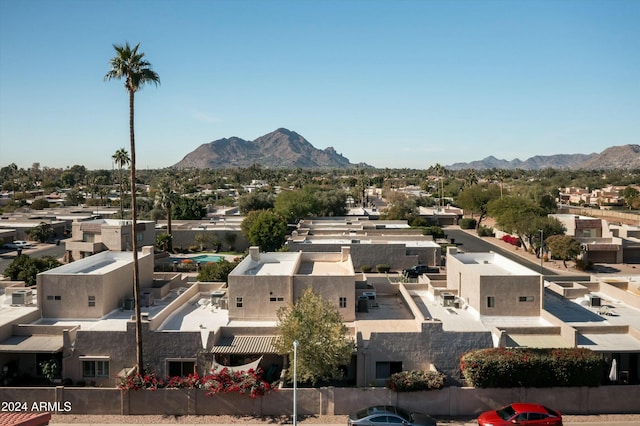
[(451, 401)]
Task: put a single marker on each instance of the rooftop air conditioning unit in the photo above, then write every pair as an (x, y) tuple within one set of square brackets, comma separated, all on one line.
[(448, 299), (22, 297), (594, 300)]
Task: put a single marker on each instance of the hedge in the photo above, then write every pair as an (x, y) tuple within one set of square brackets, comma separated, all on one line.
[(526, 367), (467, 223), (414, 381)]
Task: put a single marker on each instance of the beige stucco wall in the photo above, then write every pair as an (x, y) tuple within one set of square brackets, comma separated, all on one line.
[(110, 289), (474, 287), (256, 292)]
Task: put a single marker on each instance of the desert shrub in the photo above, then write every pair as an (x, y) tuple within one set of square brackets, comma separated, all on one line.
[(434, 231), (413, 381), (366, 268), (485, 231), (383, 267), (467, 223), (526, 367)]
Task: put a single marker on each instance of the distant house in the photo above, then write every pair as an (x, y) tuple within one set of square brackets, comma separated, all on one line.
[(94, 236), (372, 242)]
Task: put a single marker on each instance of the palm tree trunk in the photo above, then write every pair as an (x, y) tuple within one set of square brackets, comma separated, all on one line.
[(169, 231), (121, 200), (134, 242)]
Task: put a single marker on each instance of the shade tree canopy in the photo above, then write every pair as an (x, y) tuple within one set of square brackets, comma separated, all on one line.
[(324, 342)]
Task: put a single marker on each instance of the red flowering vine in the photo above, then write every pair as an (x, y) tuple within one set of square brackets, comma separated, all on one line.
[(249, 382)]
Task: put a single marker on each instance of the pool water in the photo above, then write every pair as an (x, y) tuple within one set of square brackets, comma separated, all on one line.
[(206, 258), (203, 258)]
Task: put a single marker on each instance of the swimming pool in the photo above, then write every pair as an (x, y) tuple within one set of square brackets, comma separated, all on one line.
[(206, 258), (203, 258)]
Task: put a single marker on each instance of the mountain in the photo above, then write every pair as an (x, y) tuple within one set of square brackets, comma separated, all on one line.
[(615, 157), (279, 149)]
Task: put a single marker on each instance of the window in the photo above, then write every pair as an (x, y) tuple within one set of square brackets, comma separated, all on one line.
[(88, 238), (384, 370), (491, 302), (343, 302), (525, 299), (54, 297), (238, 302), (276, 299), (95, 368), (181, 368), (92, 301)]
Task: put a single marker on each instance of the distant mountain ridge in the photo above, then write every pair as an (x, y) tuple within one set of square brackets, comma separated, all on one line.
[(615, 157), (281, 148)]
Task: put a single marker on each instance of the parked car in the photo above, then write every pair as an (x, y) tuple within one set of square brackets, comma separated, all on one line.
[(417, 270), (18, 245), (521, 414), (389, 415)]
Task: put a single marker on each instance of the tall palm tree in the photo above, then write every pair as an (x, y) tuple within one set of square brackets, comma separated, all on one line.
[(440, 171), (136, 71), (166, 198), (121, 158)]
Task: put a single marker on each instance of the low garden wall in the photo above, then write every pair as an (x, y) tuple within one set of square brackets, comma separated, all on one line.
[(450, 401)]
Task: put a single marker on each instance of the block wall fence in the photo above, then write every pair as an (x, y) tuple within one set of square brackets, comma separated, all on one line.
[(451, 401)]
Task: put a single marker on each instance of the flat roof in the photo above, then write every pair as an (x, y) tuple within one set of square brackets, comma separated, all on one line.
[(492, 264), (272, 263), (97, 264), (43, 343)]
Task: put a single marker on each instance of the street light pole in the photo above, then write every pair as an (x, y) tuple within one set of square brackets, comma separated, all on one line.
[(295, 382)]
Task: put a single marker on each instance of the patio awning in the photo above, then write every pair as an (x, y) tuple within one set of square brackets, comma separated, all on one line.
[(245, 345), (42, 343)]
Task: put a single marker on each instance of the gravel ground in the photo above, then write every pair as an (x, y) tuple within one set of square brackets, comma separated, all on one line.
[(106, 419)]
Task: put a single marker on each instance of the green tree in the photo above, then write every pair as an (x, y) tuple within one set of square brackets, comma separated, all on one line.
[(295, 205), (400, 207), (121, 158), (25, 268), (216, 271), (515, 215), (39, 204), (42, 232), (563, 247), (187, 208), (165, 199), (631, 197), (162, 241), (256, 200), (324, 342), (476, 199), (130, 64), (264, 228)]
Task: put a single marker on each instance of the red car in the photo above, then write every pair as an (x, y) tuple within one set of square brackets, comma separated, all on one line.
[(521, 414)]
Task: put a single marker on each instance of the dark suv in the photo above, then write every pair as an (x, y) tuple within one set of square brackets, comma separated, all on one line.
[(416, 271)]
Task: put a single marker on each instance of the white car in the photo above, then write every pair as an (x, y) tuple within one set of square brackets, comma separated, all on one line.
[(18, 245)]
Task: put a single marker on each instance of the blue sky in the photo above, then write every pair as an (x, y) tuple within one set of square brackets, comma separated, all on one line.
[(394, 84)]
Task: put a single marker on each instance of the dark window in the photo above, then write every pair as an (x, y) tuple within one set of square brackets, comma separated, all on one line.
[(92, 301), (525, 299), (181, 368), (385, 369), (238, 302), (378, 419), (491, 302), (92, 369), (343, 302), (57, 297)]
